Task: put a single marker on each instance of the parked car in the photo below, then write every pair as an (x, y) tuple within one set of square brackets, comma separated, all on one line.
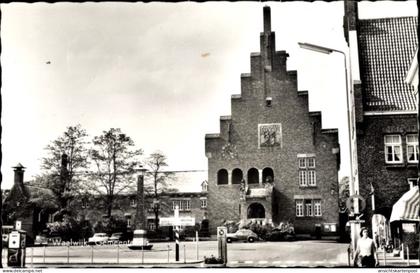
[(280, 235), (116, 237), (246, 235), (98, 238), (41, 240)]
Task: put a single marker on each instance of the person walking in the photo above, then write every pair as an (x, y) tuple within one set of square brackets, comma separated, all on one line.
[(366, 255)]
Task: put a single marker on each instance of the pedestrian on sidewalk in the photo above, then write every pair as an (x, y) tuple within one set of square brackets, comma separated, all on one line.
[(366, 255)]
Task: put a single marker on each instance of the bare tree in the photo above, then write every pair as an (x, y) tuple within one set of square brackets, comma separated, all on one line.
[(116, 163), (156, 162), (64, 175)]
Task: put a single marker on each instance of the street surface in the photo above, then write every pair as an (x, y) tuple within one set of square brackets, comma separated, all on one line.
[(258, 254)]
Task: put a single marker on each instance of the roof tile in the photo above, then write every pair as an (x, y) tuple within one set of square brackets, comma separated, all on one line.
[(386, 48)]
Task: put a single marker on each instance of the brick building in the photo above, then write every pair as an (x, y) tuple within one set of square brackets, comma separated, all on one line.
[(384, 132), (272, 161), (188, 190), (32, 205)]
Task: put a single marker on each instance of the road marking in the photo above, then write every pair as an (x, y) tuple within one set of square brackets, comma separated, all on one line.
[(290, 262), (234, 262), (277, 262), (304, 262), (248, 262), (263, 262), (319, 262)]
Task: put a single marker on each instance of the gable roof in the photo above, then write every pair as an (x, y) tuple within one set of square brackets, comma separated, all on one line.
[(186, 181), (386, 49)]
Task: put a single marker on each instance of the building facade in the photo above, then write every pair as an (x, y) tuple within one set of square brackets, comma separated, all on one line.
[(384, 133), (192, 203), (272, 162)]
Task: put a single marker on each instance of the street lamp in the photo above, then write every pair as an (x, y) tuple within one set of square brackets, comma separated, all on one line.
[(326, 50), (352, 188)]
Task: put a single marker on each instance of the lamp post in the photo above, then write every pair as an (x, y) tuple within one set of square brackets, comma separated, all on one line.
[(352, 187)]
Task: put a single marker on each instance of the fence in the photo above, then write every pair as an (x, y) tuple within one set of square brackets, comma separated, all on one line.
[(162, 253)]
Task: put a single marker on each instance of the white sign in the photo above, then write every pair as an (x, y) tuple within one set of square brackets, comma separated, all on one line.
[(18, 225), (14, 239), (172, 221)]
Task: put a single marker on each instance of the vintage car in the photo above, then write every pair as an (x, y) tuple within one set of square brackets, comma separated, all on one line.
[(245, 235)]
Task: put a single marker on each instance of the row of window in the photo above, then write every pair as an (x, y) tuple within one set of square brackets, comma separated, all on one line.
[(253, 176), (394, 148), (184, 205), (307, 172), (308, 208)]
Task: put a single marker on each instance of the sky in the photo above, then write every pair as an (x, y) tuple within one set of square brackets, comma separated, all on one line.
[(162, 72)]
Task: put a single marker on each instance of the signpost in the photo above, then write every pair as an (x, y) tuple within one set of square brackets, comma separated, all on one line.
[(222, 243), (176, 222)]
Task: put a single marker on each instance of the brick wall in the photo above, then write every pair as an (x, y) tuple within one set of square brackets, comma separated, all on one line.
[(388, 180), (122, 207), (301, 134)]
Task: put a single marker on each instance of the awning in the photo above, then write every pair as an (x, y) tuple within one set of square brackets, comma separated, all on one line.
[(407, 208)]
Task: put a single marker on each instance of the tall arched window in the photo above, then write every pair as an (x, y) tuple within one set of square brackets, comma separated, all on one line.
[(268, 175), (237, 176), (253, 176), (222, 177)]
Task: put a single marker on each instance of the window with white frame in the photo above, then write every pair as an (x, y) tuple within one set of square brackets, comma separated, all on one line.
[(311, 178), (203, 203), (128, 222), (303, 180), (308, 208), (133, 202), (307, 172), (184, 205), (393, 149), (317, 208), (412, 148), (299, 208)]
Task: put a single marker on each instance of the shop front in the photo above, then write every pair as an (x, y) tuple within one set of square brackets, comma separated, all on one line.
[(405, 221)]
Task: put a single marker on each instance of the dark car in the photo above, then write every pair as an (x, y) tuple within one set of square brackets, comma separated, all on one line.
[(280, 235), (245, 235)]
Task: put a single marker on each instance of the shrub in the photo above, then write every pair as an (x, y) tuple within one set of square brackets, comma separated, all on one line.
[(212, 260)]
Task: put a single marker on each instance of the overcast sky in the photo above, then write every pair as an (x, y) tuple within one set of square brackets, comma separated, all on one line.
[(162, 72)]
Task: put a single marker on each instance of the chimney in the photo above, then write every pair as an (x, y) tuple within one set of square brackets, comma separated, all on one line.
[(267, 41), (19, 171), (350, 18), (267, 19)]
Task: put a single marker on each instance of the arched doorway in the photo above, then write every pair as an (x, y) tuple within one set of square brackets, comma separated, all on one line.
[(256, 210)]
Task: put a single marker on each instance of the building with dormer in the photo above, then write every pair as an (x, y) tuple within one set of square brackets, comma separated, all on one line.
[(384, 130), (272, 161)]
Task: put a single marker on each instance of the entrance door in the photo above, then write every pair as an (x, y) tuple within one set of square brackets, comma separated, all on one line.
[(256, 210)]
